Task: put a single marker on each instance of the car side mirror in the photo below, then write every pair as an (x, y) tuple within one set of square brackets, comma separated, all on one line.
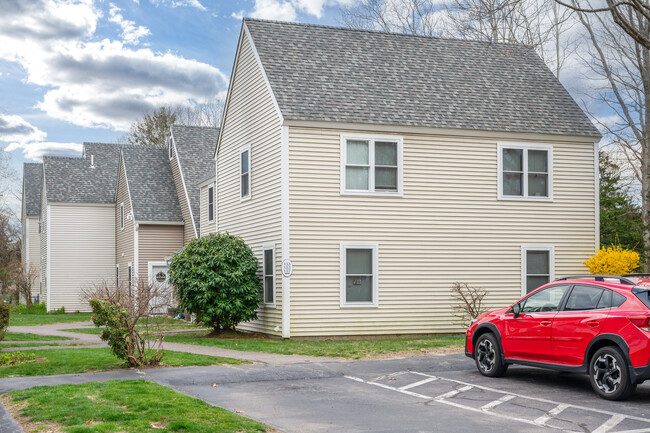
[(516, 309)]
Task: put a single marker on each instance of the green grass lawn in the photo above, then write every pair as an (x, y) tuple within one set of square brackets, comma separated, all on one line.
[(18, 319), (133, 406), (65, 361), (333, 348), (3, 345), (19, 336)]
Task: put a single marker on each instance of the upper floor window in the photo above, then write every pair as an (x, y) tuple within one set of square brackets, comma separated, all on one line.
[(211, 204), (121, 216), (525, 171), (371, 165), (245, 172)]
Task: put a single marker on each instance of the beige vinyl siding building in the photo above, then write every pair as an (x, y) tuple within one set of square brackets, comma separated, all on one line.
[(125, 233), (30, 217), (189, 231), (43, 243), (378, 190), (156, 243), (81, 253), (252, 125), (447, 226)]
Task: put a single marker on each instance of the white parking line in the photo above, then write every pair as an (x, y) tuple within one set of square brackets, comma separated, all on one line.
[(422, 382), (497, 402), (447, 399), (542, 420)]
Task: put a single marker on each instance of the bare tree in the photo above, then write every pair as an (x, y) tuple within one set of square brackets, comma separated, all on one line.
[(469, 302), (130, 317), (413, 17), (152, 128), (633, 16), (24, 277), (621, 66)]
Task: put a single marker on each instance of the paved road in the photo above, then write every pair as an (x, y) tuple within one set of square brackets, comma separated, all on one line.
[(425, 394)]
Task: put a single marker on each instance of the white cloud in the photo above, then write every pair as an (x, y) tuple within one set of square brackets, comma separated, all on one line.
[(16, 129), (287, 10), (22, 135), (131, 33), (179, 3), (106, 83)]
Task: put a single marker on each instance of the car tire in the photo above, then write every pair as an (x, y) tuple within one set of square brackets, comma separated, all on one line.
[(487, 356), (609, 375)]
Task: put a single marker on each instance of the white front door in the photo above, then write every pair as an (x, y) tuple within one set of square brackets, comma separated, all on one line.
[(159, 279)]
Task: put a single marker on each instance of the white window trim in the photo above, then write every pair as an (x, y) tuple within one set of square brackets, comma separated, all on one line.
[(265, 248), (375, 274), (250, 173), (523, 146), (371, 181), (213, 207), (117, 275), (129, 275), (122, 216), (150, 266), (551, 266)]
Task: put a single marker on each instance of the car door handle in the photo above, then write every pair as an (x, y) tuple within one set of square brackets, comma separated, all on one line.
[(593, 323), (545, 322)]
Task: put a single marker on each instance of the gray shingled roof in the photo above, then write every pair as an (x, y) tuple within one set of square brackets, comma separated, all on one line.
[(151, 184), (73, 180), (195, 148), (332, 74), (32, 188)]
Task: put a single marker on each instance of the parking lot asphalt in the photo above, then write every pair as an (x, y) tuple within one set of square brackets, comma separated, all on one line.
[(423, 394)]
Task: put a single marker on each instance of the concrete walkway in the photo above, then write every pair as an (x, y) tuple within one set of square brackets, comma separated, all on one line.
[(92, 340)]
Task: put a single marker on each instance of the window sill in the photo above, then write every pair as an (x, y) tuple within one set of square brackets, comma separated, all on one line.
[(248, 197), (371, 194), (518, 198), (267, 305), (359, 305)]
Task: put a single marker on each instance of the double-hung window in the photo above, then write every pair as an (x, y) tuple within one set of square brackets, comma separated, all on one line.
[(268, 269), (371, 165), (211, 204), (525, 171), (245, 172), (359, 272), (537, 266), (130, 277)]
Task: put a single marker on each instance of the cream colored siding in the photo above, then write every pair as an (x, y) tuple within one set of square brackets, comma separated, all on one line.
[(188, 231), (251, 120), (448, 226), (207, 227), (33, 251), (156, 243), (82, 252), (124, 239), (43, 244)]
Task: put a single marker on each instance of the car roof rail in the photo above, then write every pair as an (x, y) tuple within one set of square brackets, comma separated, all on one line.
[(637, 275), (622, 280)]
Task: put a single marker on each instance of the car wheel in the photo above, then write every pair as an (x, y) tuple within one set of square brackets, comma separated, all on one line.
[(488, 357), (609, 375)]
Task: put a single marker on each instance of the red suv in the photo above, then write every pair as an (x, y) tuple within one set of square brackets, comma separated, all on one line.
[(594, 324)]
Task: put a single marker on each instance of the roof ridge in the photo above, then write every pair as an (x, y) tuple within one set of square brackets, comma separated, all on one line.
[(194, 126), (345, 29)]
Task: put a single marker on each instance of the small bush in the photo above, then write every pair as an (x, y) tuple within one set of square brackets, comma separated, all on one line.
[(14, 358), (469, 302), (613, 260), (24, 309), (5, 315), (215, 278)]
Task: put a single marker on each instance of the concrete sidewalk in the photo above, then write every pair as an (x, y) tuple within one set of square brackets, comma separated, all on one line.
[(92, 340)]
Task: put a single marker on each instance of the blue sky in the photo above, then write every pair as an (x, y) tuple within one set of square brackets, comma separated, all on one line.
[(81, 70)]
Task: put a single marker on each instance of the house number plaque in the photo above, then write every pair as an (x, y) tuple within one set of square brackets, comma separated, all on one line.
[(287, 268)]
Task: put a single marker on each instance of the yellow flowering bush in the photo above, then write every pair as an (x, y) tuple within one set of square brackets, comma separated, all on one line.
[(613, 260)]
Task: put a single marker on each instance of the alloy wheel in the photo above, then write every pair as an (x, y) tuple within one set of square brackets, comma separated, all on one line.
[(486, 355), (607, 373)]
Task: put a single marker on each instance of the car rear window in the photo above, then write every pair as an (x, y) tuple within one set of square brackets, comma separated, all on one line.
[(643, 294)]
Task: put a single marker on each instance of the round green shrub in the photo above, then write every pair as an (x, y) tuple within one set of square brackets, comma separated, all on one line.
[(5, 313), (215, 277)]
